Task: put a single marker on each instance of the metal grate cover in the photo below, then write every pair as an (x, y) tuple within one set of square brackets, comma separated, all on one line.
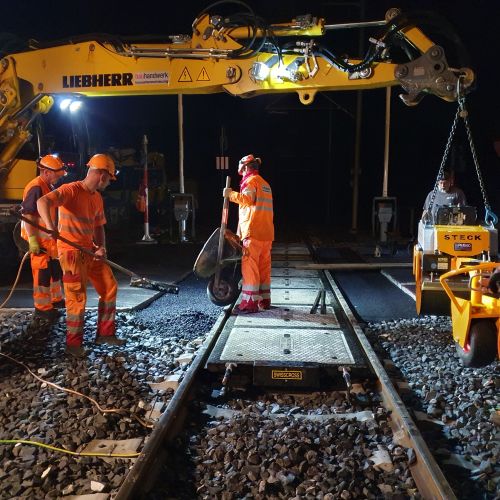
[(287, 272), (290, 249), (283, 296), (286, 282), (288, 263), (306, 346), (291, 316)]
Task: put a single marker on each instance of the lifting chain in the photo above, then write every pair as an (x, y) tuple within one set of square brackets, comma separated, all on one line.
[(490, 217)]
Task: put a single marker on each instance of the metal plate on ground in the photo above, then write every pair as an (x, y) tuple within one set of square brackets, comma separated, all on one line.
[(323, 346), (290, 317), (294, 273), (285, 282), (286, 263), (290, 257), (290, 250), (284, 296)]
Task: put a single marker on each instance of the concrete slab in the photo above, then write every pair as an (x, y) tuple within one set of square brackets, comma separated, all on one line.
[(163, 263), (128, 298)]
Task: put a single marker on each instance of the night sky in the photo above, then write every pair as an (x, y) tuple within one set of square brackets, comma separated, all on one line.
[(307, 152)]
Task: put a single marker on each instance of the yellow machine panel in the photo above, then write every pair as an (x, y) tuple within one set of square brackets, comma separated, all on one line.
[(462, 241)]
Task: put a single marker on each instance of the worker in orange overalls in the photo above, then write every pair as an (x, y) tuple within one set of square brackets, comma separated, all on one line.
[(47, 291), (81, 221), (256, 230)]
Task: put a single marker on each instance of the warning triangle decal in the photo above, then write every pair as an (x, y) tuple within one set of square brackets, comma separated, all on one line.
[(203, 76), (185, 76)]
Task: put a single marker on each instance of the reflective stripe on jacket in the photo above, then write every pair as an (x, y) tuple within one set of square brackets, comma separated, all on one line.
[(80, 212), (256, 209), (44, 239)]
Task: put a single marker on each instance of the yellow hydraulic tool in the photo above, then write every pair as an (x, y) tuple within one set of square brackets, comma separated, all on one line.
[(476, 319)]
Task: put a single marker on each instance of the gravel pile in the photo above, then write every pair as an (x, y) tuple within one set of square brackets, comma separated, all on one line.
[(462, 402), (285, 446), (161, 339)]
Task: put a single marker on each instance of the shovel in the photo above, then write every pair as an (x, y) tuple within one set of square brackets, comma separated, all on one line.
[(136, 281), (223, 225)]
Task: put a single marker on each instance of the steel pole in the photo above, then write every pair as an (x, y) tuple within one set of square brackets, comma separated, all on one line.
[(180, 116), (147, 237)]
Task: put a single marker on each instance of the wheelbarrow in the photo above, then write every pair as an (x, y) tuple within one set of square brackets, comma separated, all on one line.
[(220, 260)]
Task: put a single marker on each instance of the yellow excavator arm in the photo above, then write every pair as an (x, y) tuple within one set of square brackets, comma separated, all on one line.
[(220, 55)]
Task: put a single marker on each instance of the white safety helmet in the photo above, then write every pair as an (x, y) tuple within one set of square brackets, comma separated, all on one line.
[(249, 161)]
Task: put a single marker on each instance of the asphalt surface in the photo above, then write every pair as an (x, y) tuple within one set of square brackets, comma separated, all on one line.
[(373, 296), (162, 263)]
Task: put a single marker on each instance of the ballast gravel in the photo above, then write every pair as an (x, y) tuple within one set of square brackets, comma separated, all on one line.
[(115, 377), (457, 408)]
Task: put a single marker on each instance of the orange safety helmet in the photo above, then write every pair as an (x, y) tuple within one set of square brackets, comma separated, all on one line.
[(51, 162), (249, 161), (101, 161)]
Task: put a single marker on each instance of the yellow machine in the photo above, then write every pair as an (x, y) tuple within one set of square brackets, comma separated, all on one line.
[(444, 247), (223, 54), (476, 318), (453, 240)]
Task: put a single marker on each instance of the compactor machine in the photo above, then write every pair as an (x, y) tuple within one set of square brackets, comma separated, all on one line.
[(450, 238)]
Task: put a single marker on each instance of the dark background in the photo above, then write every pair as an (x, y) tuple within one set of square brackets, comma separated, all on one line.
[(307, 151)]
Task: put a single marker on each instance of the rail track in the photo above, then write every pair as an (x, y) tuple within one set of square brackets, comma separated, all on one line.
[(249, 418), (269, 441)]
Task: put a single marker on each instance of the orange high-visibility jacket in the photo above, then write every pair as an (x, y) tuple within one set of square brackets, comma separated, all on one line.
[(44, 238), (80, 212), (256, 209)]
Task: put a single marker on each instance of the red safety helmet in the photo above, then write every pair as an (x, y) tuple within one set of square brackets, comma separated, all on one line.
[(51, 162), (101, 161), (249, 161)]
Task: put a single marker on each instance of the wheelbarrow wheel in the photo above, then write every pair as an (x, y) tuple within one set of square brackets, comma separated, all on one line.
[(481, 349), (227, 291)]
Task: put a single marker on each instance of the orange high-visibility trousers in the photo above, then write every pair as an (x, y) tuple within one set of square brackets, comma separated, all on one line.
[(46, 281), (79, 268), (256, 273)]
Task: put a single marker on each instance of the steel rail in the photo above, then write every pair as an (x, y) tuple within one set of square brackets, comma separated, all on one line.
[(429, 478), (143, 473), (346, 266)]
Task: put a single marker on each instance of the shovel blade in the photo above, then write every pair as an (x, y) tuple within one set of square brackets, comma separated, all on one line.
[(140, 282)]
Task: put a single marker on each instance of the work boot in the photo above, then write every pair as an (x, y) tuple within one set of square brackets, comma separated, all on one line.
[(76, 351), (264, 304), (41, 322), (110, 340), (246, 310)]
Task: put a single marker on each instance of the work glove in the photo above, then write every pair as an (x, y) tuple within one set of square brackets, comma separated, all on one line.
[(227, 192), (34, 245)]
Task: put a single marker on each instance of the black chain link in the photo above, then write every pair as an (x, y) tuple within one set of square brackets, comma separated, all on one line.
[(461, 113), (464, 116), (443, 162)]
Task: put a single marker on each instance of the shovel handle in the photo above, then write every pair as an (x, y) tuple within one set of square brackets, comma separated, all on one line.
[(225, 210), (57, 236)]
